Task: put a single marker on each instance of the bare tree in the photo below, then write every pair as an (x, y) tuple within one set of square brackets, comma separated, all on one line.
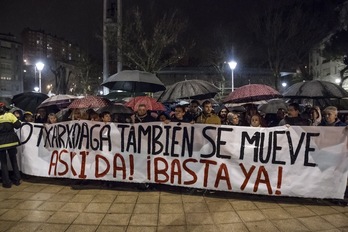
[(336, 48), (62, 73), (88, 77), (287, 30), (150, 47)]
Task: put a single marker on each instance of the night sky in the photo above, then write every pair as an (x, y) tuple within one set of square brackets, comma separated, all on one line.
[(78, 21)]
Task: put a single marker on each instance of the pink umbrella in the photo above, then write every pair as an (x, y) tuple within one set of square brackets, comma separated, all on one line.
[(151, 103), (252, 93), (89, 102)]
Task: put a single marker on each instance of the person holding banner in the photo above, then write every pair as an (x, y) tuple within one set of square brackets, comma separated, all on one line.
[(141, 115), (8, 143), (293, 118), (208, 116), (331, 119), (179, 114)]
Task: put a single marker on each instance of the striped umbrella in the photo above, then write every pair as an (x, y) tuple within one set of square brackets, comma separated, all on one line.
[(151, 103), (89, 102), (252, 93)]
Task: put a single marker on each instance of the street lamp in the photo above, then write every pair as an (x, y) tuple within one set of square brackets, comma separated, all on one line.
[(40, 66), (233, 65)]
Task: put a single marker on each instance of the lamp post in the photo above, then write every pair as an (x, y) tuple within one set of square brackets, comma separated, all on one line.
[(233, 65), (40, 66)]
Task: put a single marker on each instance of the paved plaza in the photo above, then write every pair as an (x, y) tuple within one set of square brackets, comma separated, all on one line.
[(45, 204)]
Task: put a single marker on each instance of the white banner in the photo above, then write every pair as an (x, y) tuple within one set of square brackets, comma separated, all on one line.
[(280, 161)]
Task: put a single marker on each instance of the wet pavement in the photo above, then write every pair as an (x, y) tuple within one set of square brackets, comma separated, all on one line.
[(47, 204)]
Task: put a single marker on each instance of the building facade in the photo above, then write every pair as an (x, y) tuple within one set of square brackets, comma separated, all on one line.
[(40, 45), (11, 66), (49, 49), (324, 69)]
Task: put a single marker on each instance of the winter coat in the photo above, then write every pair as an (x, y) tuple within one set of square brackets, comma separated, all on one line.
[(208, 119), (8, 137), (336, 123)]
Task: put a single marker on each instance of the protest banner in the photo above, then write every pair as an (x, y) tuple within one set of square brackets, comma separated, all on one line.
[(279, 161)]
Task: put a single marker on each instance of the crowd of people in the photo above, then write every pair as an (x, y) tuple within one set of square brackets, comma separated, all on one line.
[(189, 113), (194, 112)]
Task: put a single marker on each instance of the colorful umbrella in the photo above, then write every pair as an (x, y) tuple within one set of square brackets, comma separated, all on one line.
[(252, 93), (89, 102), (6, 100), (151, 103)]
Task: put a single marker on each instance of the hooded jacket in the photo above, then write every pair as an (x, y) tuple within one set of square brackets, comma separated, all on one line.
[(8, 137)]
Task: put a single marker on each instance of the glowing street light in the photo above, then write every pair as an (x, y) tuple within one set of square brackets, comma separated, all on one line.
[(284, 84), (233, 65), (40, 66)]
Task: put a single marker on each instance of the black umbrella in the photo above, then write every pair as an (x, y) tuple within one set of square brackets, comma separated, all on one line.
[(134, 81), (315, 89), (272, 106), (28, 101), (189, 89)]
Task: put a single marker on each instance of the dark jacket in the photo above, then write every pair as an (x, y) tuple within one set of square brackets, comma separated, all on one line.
[(336, 123), (175, 119), (144, 118), (294, 121), (8, 137)]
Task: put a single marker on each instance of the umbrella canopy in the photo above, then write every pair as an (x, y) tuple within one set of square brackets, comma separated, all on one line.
[(315, 89), (189, 89), (60, 100), (151, 103), (134, 81), (236, 109), (6, 100), (116, 109), (63, 114), (89, 102), (252, 93), (272, 106), (29, 101), (119, 96)]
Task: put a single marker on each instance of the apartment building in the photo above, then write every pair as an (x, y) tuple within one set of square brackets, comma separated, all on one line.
[(49, 49), (324, 69), (11, 70)]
